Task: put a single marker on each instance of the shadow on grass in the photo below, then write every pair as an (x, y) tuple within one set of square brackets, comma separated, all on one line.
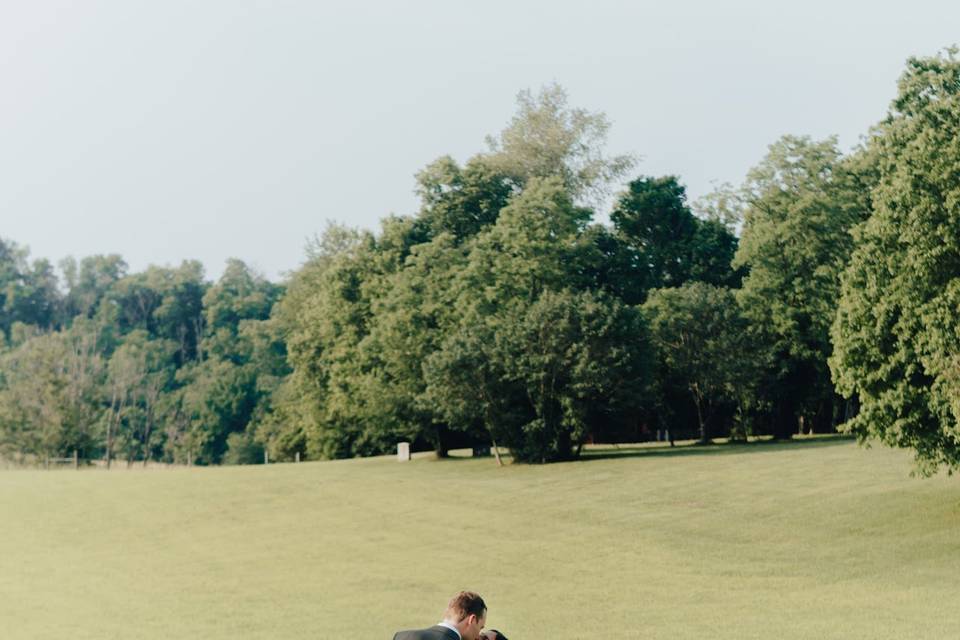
[(692, 448)]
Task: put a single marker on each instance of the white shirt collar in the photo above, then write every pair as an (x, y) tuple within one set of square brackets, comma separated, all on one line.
[(449, 626)]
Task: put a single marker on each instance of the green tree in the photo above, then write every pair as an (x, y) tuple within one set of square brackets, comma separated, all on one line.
[(331, 368), (240, 294), (242, 448), (296, 403), (800, 207), (140, 371), (461, 201), (654, 218), (179, 317), (527, 358), (490, 239), (539, 378), (711, 255), (126, 372), (547, 138), (665, 245), (218, 398), (28, 291), (410, 319), (576, 356), (89, 281), (467, 386), (35, 299), (49, 393), (701, 341), (895, 334)]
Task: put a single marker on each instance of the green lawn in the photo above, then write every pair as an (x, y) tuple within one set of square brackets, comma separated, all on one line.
[(812, 539)]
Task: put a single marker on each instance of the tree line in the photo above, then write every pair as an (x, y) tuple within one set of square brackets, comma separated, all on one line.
[(819, 294)]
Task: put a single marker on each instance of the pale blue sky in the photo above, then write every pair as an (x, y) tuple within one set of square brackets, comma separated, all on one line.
[(170, 129)]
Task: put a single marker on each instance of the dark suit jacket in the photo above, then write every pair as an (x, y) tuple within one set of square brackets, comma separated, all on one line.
[(433, 633)]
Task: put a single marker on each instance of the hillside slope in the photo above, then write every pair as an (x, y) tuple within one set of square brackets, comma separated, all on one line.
[(816, 539)]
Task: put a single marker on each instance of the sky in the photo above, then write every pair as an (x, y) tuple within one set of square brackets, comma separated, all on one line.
[(212, 129)]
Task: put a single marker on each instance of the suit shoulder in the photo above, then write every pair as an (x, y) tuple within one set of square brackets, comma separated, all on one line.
[(433, 633)]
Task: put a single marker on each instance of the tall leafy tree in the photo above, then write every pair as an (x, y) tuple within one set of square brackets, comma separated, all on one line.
[(50, 385), (180, 315), (140, 371), (800, 208), (36, 299), (701, 342), (410, 319), (217, 398), (88, 281), (653, 216), (582, 359), (664, 243), (378, 311), (29, 292), (240, 294), (462, 201), (531, 360), (896, 331), (126, 372), (298, 400), (548, 138), (336, 374)]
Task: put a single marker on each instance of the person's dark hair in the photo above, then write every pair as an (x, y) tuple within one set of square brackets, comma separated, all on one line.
[(464, 604), (497, 635)]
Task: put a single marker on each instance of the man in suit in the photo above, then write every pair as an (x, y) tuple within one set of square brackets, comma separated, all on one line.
[(463, 620)]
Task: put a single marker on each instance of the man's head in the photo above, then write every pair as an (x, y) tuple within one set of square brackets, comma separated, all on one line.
[(468, 613)]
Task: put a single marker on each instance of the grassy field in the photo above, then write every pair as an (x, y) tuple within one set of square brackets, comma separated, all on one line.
[(812, 539)]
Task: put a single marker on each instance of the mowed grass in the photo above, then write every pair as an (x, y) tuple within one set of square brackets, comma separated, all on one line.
[(814, 539)]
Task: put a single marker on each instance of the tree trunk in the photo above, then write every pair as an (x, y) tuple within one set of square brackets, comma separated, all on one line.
[(147, 430), (197, 333), (441, 443), (564, 442), (701, 420), (109, 439)]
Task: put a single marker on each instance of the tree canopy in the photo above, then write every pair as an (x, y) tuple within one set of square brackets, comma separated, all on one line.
[(896, 330), (508, 310)]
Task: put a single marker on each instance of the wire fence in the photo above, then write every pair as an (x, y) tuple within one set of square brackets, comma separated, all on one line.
[(76, 463)]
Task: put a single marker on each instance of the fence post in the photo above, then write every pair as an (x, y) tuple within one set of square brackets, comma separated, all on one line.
[(266, 457), (296, 457), (76, 459)]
